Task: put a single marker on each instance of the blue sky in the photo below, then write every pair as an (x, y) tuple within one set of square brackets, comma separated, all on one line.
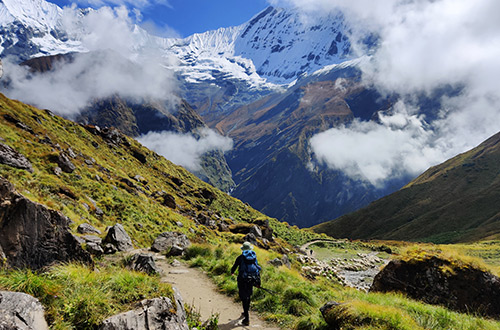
[(185, 17)]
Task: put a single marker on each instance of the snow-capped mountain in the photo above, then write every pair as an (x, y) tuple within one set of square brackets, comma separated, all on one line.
[(32, 28), (277, 45)]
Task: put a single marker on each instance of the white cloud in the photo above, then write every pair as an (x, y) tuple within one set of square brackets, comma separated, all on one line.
[(184, 149), (114, 65), (422, 45)]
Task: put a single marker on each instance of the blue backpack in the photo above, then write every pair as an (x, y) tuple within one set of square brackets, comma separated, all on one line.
[(249, 268)]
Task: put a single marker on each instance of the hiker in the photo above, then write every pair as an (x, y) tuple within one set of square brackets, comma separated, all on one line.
[(248, 276)]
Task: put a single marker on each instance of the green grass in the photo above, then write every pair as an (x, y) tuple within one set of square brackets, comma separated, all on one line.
[(297, 301), (76, 297)]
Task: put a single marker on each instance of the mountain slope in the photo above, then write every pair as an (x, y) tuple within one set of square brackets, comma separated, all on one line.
[(103, 177), (452, 202), (272, 162)]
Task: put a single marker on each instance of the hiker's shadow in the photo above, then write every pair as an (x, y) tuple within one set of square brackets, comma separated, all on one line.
[(234, 324)]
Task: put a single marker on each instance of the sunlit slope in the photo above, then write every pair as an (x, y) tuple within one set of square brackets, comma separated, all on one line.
[(115, 179)]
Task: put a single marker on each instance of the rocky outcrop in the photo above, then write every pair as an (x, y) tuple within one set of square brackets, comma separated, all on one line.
[(31, 235), (153, 314), (19, 311), (173, 242), (452, 284), (118, 237), (86, 228), (144, 262), (11, 157)]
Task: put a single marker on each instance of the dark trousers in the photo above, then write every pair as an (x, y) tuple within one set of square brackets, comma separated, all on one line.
[(245, 290)]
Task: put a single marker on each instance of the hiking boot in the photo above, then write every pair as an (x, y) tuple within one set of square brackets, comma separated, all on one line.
[(245, 321)]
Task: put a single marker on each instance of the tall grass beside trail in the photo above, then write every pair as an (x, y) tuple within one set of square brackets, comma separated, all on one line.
[(76, 297), (296, 301)]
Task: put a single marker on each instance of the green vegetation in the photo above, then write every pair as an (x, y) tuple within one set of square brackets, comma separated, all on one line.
[(297, 301), (76, 297), (127, 182)]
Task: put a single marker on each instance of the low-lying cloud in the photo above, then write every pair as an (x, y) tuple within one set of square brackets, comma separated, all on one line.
[(422, 46), (185, 149), (120, 61)]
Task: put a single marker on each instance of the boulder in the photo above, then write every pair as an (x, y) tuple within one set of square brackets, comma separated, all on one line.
[(169, 201), (65, 163), (31, 235), (152, 314), (11, 157), (19, 311), (144, 262), (173, 242), (434, 280), (276, 262), (86, 228), (118, 237), (95, 249), (286, 261)]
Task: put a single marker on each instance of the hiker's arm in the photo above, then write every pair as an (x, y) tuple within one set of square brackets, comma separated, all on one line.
[(236, 264)]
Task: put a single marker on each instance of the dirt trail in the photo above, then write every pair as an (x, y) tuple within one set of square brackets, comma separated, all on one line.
[(199, 291)]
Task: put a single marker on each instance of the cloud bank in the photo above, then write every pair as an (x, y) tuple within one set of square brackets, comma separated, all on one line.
[(184, 149), (120, 61), (422, 45)]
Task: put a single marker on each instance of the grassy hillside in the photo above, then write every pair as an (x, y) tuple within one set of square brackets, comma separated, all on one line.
[(455, 201), (120, 181), (124, 180)]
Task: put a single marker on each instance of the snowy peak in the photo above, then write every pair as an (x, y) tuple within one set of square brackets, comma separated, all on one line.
[(39, 14), (283, 44), (280, 45)]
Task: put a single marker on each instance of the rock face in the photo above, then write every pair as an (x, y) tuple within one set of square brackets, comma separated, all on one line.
[(9, 156), (152, 314), (175, 242), (437, 281), (21, 311), (118, 237), (32, 235)]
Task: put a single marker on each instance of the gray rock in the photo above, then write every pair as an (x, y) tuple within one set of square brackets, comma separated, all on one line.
[(109, 248), (86, 228), (276, 262), (286, 261), (256, 231), (250, 237), (57, 171), (65, 163), (34, 236), (144, 262), (171, 241), (92, 239), (95, 249), (19, 311), (175, 263), (179, 224), (11, 157), (118, 237), (79, 239), (152, 314)]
